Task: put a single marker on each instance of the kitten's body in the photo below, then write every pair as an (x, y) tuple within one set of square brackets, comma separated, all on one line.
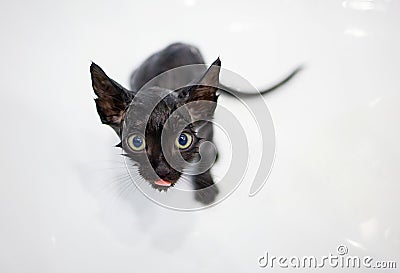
[(173, 56), (123, 110)]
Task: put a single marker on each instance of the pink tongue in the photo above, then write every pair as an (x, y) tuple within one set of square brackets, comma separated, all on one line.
[(163, 183)]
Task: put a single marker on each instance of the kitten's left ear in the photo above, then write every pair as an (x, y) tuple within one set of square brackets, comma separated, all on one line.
[(207, 87), (112, 99)]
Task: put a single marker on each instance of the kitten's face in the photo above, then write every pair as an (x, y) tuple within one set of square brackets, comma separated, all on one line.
[(157, 127), (142, 137)]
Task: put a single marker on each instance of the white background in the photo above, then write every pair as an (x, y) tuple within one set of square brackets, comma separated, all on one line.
[(64, 201)]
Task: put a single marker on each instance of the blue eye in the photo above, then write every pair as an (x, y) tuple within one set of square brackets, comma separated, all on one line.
[(136, 142), (184, 140)]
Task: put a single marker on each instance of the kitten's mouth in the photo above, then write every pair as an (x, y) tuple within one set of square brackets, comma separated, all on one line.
[(163, 183)]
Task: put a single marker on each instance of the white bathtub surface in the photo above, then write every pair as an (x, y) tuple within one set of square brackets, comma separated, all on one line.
[(66, 204)]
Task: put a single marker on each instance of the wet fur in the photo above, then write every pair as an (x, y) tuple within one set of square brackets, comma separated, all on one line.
[(117, 106)]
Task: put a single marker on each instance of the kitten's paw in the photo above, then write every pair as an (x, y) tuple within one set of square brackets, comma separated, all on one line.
[(208, 195)]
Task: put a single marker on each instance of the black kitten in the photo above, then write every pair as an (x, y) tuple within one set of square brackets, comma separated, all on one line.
[(178, 105)]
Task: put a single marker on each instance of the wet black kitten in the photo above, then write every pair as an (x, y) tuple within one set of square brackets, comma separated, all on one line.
[(139, 115)]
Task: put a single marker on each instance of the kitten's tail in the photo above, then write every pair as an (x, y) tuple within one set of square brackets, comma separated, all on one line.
[(233, 92)]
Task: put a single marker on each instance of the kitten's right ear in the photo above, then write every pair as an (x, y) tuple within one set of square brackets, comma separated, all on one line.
[(112, 99)]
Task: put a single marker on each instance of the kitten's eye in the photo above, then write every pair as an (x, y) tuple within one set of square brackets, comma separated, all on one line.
[(136, 142), (184, 140)]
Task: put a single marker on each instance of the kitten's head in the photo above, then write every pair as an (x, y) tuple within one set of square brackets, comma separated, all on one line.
[(158, 128)]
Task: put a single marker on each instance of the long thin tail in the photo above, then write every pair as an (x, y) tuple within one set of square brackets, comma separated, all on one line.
[(232, 92)]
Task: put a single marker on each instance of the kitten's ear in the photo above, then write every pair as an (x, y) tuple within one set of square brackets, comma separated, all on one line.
[(207, 87), (202, 97), (112, 99)]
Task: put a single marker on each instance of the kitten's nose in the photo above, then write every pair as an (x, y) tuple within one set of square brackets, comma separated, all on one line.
[(162, 171)]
